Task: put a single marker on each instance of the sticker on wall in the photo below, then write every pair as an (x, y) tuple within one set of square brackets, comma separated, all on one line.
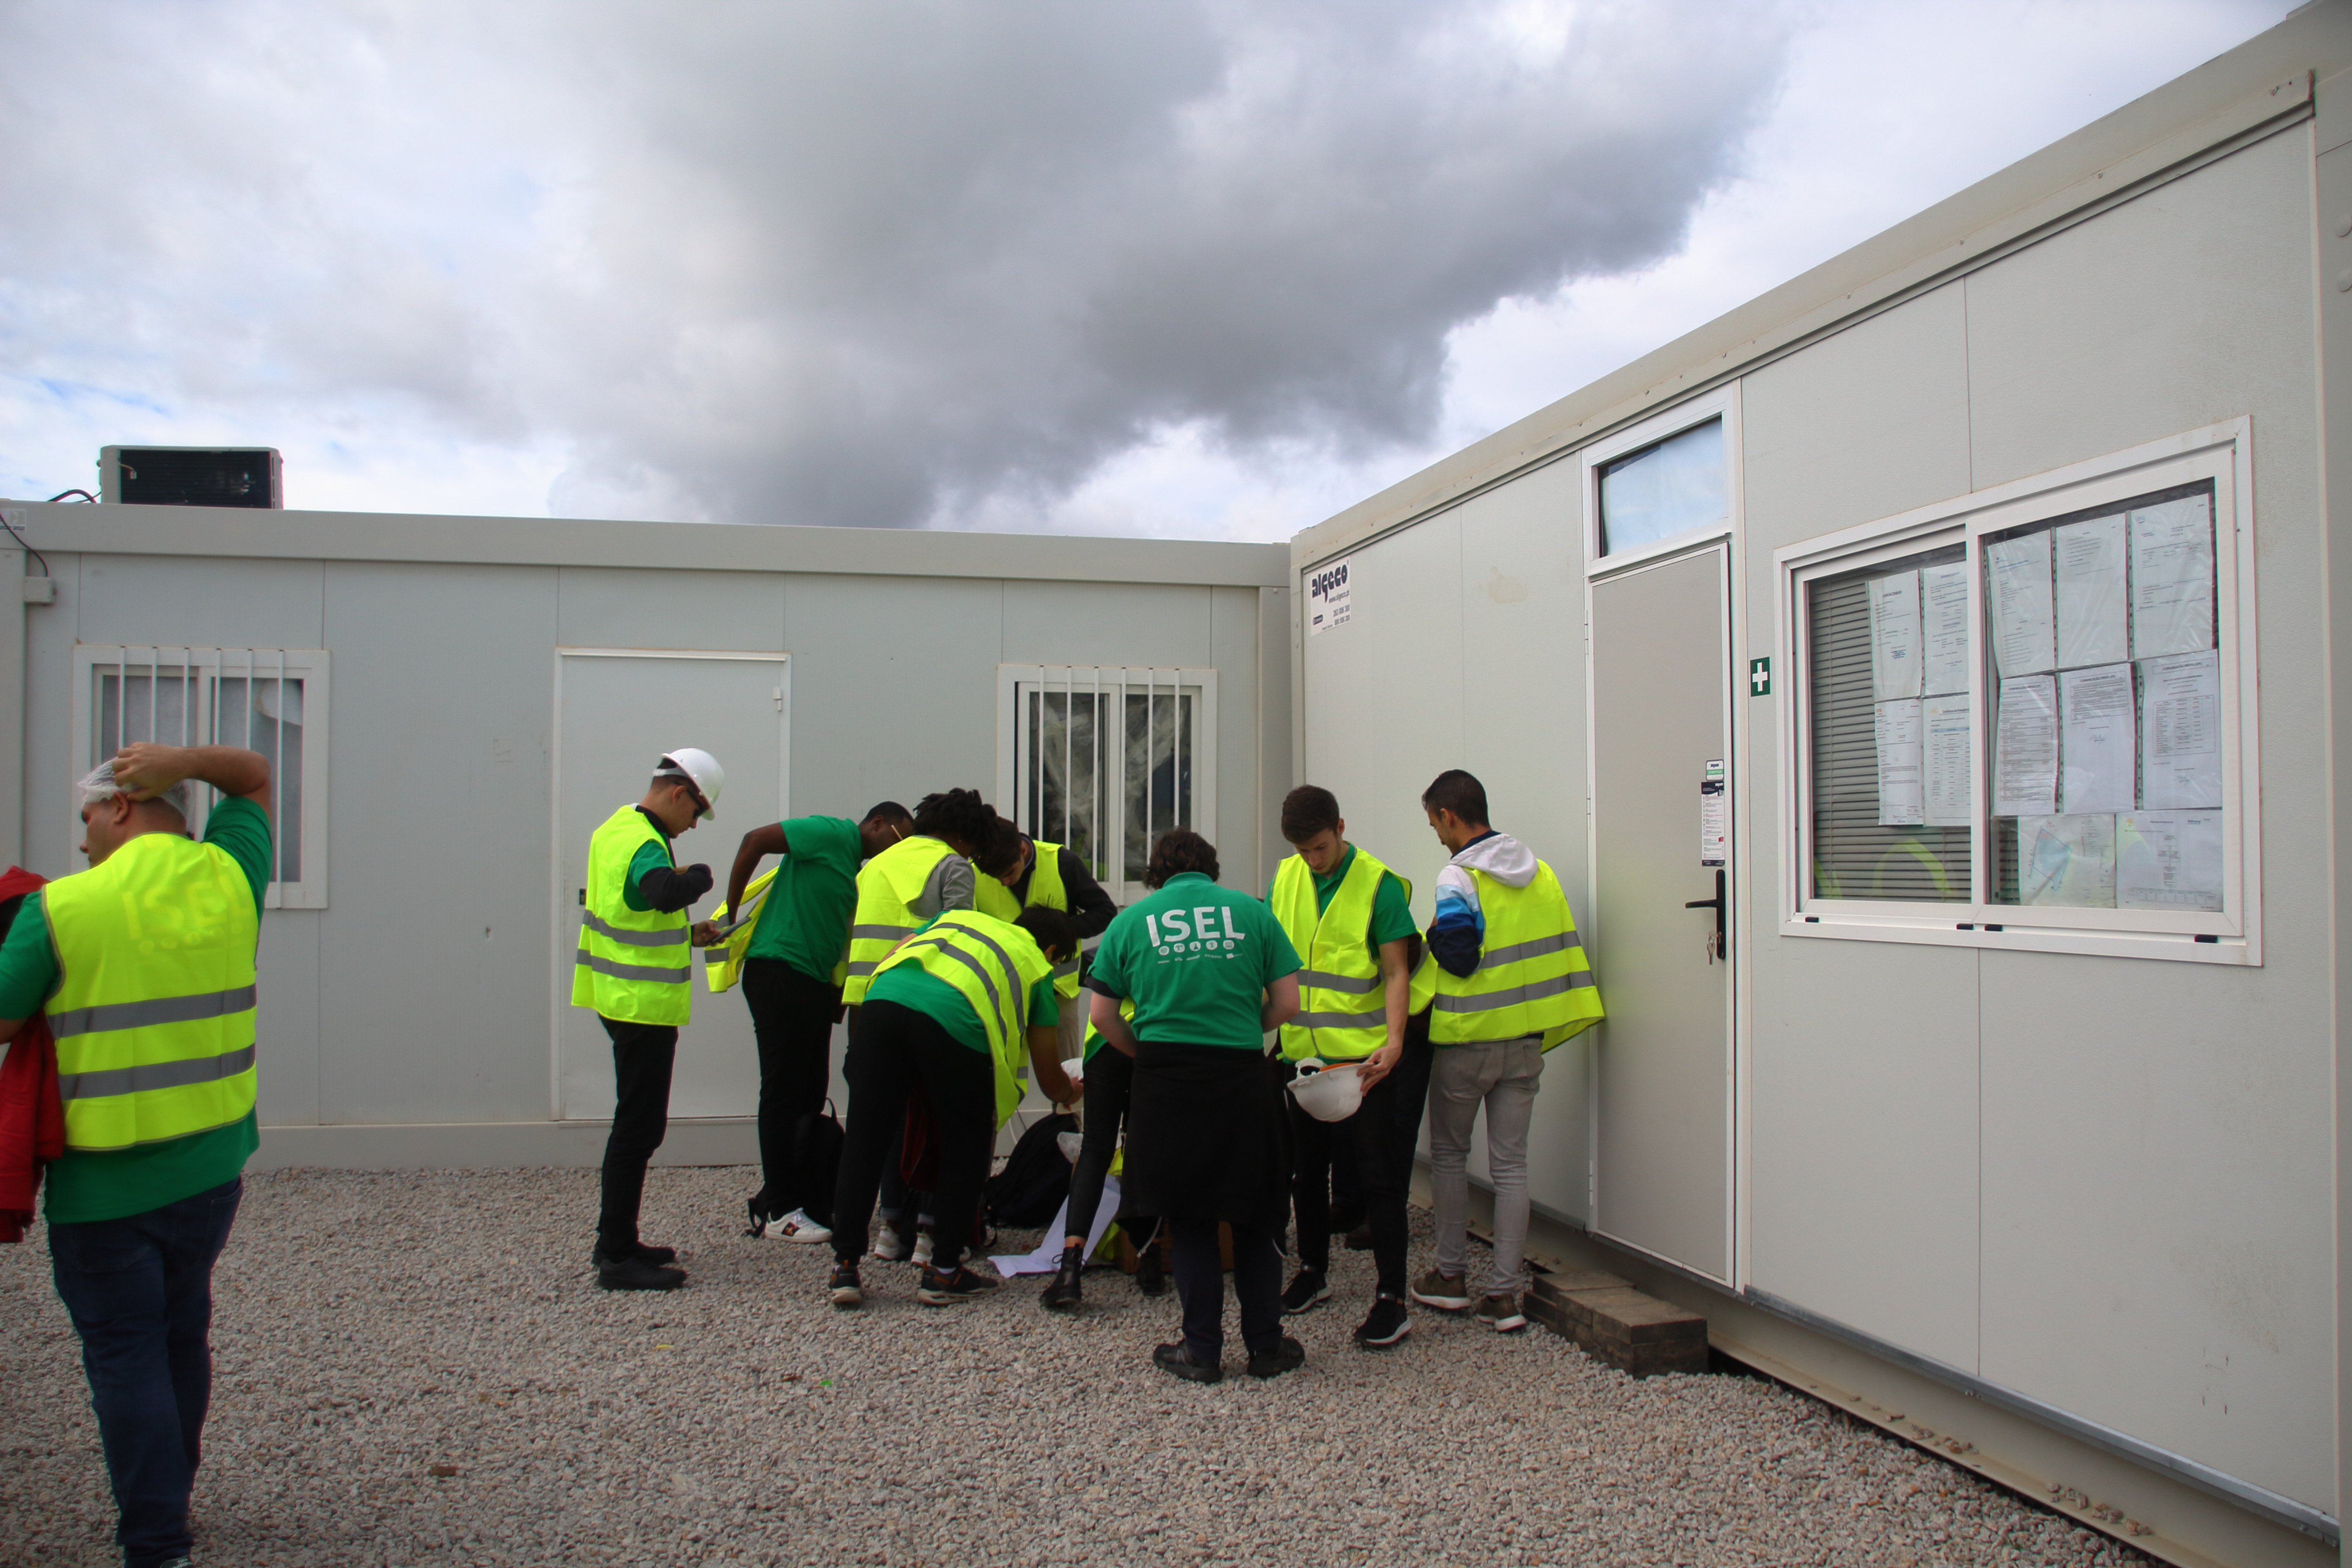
[(1713, 816), (1326, 598)]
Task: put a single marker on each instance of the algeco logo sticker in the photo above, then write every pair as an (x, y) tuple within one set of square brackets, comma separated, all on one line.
[(1320, 586), (1327, 597), (1197, 930)]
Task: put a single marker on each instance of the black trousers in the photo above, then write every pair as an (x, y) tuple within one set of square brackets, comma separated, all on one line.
[(1109, 1084), (1366, 1143), (899, 1049), (1412, 1078), (642, 1054), (792, 1020), (1201, 1285)]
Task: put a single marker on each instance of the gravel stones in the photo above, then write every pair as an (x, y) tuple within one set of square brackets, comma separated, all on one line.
[(415, 1368)]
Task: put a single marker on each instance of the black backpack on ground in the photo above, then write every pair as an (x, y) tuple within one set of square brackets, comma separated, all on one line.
[(1035, 1181), (816, 1160)]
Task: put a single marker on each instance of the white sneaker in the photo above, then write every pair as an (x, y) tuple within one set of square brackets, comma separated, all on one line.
[(922, 1258), (797, 1227), (888, 1245)]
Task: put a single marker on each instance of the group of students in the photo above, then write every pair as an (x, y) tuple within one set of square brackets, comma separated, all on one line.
[(953, 943)]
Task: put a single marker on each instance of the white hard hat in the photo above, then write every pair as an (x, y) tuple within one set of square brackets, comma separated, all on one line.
[(698, 768)]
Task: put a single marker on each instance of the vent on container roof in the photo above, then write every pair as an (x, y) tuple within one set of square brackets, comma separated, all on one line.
[(190, 476)]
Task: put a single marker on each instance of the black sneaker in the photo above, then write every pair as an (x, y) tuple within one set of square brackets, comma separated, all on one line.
[(1178, 1358), (939, 1289), (1360, 1238), (1151, 1278), (635, 1273), (1306, 1292), (843, 1288), (659, 1257), (1062, 1292), (1387, 1323), (1287, 1356)]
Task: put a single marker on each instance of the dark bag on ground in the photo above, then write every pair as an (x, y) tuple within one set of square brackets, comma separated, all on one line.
[(816, 1160), (1035, 1181)]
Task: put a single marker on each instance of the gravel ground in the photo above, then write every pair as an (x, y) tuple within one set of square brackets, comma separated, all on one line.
[(372, 1330)]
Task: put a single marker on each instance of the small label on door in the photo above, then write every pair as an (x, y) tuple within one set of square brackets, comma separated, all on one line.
[(1327, 597), (1713, 816)]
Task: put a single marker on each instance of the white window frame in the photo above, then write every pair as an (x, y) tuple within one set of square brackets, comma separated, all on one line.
[(2221, 453), (1723, 403), (203, 667), (1014, 680)]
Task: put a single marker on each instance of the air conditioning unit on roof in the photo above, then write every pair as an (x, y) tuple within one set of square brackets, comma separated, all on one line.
[(191, 476)]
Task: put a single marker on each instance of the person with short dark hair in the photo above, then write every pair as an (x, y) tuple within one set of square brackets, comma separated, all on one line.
[(1209, 971), (792, 966), (1017, 872), (1349, 916)]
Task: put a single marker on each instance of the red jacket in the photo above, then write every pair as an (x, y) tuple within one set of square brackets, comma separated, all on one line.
[(32, 1119)]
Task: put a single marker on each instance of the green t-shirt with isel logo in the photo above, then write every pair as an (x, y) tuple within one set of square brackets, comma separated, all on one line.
[(1196, 958)]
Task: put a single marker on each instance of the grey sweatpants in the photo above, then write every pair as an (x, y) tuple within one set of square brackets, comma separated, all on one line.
[(1502, 1075)]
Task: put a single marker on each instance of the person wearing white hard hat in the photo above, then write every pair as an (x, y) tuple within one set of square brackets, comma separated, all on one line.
[(633, 968)]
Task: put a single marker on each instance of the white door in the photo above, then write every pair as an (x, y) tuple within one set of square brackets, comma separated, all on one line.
[(616, 712)]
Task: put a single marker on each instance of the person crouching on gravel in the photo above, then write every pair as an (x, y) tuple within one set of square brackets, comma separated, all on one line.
[(949, 1012)]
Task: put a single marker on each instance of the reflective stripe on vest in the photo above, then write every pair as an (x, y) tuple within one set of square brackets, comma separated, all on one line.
[(631, 965), (991, 963), (1531, 979), (155, 1007), (1342, 1002), (888, 886)]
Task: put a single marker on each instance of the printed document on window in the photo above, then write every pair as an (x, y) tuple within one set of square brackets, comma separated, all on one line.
[(2017, 574), (1894, 637), (1950, 802), (1897, 726), (2172, 578), (2168, 861), (1944, 628), (2092, 625), (2067, 860), (2098, 763), (2180, 732), (2025, 748)]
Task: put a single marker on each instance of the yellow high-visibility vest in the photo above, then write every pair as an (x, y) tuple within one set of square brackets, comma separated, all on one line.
[(888, 887), (1047, 888), (722, 964), (991, 963), (1342, 999), (154, 1006), (633, 965), (1531, 979)]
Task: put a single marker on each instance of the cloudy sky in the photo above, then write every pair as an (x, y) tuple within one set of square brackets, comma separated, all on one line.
[(1206, 269)]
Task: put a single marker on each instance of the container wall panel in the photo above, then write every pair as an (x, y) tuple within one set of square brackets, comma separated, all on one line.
[(731, 612), (1093, 623)]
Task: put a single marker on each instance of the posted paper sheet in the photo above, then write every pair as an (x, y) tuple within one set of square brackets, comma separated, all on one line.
[(1944, 628), (2180, 732), (2067, 860), (2025, 748), (2024, 621), (1048, 1255), (1900, 804), (2172, 578), (1950, 802), (1894, 637), (2098, 763), (2092, 625), (2168, 861)]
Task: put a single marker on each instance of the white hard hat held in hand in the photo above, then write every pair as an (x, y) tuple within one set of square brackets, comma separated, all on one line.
[(698, 768)]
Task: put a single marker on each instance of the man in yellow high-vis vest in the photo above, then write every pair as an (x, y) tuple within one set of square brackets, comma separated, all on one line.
[(1505, 980), (1017, 871), (144, 965), (1348, 916), (635, 966)]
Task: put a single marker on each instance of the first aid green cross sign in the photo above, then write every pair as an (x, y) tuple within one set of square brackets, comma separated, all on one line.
[(1760, 677)]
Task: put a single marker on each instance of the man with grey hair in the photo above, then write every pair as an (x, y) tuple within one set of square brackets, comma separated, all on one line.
[(145, 965)]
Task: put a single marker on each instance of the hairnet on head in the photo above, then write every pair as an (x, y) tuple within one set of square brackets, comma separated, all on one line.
[(98, 784)]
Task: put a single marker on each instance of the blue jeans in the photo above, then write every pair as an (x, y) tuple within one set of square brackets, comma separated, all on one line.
[(140, 1290)]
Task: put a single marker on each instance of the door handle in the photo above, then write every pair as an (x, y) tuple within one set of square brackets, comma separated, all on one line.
[(1717, 904)]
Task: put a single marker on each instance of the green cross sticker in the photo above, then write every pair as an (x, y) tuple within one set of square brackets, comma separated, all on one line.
[(1760, 677)]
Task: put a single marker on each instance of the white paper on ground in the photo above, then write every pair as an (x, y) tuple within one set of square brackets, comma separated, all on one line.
[(2099, 763), (2168, 861), (1894, 637), (2024, 621), (1897, 727), (2088, 560), (1949, 800), (2180, 732), (1048, 1255), (2068, 862), (2025, 748), (1944, 628), (2172, 578)]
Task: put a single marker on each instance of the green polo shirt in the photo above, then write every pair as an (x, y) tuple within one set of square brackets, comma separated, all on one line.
[(1197, 959), (804, 920), (1391, 910), (93, 1185), (911, 985)]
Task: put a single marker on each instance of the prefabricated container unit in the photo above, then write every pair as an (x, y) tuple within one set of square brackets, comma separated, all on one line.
[(1954, 629), (451, 705)]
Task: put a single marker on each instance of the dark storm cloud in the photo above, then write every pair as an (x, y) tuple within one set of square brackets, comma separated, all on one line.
[(838, 263)]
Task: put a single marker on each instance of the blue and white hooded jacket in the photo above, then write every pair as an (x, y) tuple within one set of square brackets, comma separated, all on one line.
[(1459, 933)]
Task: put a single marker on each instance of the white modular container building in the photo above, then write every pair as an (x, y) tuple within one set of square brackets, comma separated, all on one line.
[(453, 704), (1957, 630)]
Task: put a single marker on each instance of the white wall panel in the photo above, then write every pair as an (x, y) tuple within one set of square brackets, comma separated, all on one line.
[(1233, 652), (180, 601), (1092, 623), (735, 612)]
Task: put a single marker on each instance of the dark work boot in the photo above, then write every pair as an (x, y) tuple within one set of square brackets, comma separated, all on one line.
[(1062, 1291), (630, 1272)]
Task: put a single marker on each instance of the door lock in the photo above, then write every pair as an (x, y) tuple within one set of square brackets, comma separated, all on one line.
[(1716, 945)]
